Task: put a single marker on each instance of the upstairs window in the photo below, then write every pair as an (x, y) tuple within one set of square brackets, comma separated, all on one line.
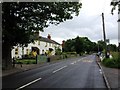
[(16, 51)]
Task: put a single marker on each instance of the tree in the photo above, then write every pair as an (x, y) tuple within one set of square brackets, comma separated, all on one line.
[(115, 3), (112, 47), (21, 20), (78, 45), (69, 45), (95, 47), (87, 44), (101, 45), (58, 51)]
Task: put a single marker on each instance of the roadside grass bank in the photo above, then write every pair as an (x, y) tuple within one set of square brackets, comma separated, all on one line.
[(113, 62)]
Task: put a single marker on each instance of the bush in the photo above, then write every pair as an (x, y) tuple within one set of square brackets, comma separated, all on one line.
[(112, 63)]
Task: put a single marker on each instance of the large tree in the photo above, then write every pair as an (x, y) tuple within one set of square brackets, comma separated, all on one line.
[(20, 21), (87, 44), (112, 47), (78, 45), (115, 3), (101, 45), (69, 45)]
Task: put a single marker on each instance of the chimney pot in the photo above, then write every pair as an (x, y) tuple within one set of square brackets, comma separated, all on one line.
[(49, 37)]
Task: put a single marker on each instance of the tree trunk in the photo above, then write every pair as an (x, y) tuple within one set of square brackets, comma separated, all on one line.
[(6, 56)]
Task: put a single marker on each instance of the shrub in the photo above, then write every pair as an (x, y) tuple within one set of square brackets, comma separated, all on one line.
[(112, 63)]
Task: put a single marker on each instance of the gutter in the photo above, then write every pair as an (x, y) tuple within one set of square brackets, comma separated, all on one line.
[(104, 77)]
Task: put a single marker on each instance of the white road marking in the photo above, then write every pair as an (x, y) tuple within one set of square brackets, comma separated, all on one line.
[(59, 69), (100, 71), (72, 63), (76, 61), (29, 83)]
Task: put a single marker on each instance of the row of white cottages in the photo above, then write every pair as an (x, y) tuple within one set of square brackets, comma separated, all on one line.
[(40, 45)]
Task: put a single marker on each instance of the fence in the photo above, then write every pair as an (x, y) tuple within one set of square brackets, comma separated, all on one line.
[(41, 58)]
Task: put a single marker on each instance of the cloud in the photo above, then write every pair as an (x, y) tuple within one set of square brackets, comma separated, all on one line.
[(88, 23)]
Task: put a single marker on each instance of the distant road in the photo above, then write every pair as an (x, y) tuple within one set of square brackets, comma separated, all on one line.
[(80, 72)]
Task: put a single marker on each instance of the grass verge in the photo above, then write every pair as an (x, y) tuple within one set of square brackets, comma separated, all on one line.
[(26, 61), (113, 62)]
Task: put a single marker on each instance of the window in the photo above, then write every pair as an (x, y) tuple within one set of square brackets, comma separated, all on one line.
[(22, 50), (16, 51), (27, 51)]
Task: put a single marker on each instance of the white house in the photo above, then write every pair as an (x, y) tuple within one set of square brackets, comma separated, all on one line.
[(40, 45)]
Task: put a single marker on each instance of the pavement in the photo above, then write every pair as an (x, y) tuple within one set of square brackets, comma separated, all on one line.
[(111, 74), (25, 67), (18, 69)]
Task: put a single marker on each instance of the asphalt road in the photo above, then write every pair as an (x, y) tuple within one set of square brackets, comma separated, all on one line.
[(80, 72)]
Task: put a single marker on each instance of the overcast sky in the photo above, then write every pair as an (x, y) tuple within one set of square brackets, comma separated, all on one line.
[(88, 23)]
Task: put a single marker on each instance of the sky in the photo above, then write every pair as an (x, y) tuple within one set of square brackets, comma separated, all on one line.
[(87, 24)]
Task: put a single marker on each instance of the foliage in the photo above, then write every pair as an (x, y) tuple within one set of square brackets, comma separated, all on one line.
[(58, 51), (115, 3), (80, 45), (24, 18), (101, 45), (71, 53), (88, 46), (21, 20), (114, 62), (69, 45), (112, 47)]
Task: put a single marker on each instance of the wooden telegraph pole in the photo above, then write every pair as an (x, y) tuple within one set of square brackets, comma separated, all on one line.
[(104, 35)]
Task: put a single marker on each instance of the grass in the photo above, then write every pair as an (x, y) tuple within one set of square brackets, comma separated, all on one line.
[(113, 62), (26, 61)]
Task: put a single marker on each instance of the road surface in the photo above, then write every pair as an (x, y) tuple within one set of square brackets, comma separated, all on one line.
[(80, 72)]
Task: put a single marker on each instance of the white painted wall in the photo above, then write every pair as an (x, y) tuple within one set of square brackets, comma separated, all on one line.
[(41, 47), (19, 52)]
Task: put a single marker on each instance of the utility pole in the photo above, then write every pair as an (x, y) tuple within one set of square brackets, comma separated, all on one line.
[(104, 35)]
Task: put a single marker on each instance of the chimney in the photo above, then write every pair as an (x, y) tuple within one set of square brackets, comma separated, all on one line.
[(49, 37), (63, 42)]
